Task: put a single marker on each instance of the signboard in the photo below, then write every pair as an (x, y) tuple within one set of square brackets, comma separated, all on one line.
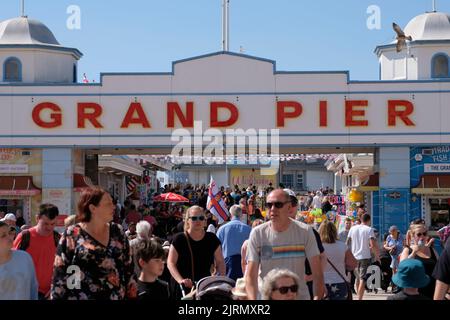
[(394, 209), (437, 168), (245, 177), (60, 198), (13, 168), (226, 91)]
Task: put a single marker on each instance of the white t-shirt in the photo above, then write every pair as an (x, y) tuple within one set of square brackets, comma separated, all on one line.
[(336, 254), (361, 235), (285, 250)]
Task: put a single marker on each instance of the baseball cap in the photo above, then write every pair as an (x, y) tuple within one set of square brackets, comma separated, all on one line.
[(292, 195), (9, 216)]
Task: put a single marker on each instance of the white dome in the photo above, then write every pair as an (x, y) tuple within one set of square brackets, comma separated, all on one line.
[(26, 31), (429, 26)]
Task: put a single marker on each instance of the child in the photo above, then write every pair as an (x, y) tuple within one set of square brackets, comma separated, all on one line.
[(410, 276), (17, 275), (151, 258)]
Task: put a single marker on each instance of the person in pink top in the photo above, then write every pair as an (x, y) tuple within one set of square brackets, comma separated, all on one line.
[(41, 242), (133, 215)]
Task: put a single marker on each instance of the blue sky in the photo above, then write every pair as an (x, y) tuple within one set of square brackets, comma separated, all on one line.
[(147, 35)]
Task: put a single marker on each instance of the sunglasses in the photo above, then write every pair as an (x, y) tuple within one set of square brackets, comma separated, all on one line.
[(284, 290), (11, 232), (197, 218), (421, 234), (277, 204)]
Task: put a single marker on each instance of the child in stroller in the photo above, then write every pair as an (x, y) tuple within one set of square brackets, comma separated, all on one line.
[(212, 288)]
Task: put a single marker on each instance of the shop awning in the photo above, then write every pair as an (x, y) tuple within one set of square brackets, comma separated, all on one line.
[(372, 183), (18, 186), (433, 184), (81, 182)]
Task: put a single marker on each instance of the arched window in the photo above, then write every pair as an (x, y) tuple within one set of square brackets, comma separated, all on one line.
[(439, 66), (75, 78), (12, 70)]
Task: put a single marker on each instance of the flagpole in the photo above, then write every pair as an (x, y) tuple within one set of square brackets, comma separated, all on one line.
[(225, 25), (22, 8), (434, 5)]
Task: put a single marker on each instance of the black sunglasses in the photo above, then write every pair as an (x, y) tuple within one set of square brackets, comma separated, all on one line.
[(197, 218), (284, 290), (421, 234), (277, 204)]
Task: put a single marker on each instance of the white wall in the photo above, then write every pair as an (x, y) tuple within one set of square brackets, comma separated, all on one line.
[(318, 179), (40, 65)]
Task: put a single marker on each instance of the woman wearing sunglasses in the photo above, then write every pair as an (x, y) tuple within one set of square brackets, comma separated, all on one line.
[(193, 252), (280, 284), (17, 275), (421, 250)]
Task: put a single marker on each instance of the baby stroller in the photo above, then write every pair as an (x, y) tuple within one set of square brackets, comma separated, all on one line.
[(212, 288)]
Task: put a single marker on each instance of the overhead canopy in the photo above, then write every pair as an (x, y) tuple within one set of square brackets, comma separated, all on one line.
[(81, 182), (372, 183), (18, 186), (433, 184)]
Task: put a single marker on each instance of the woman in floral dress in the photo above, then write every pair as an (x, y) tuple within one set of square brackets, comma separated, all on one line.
[(93, 257)]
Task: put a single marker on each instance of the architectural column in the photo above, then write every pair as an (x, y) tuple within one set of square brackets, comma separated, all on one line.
[(57, 178)]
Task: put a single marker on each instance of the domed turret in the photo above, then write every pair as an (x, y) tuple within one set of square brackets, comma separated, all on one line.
[(425, 57), (30, 53)]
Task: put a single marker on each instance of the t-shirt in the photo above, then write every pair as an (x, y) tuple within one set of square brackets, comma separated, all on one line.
[(287, 250), (442, 268), (360, 235), (232, 235), (158, 290), (203, 251), (42, 250), (336, 254), (403, 296), (18, 278)]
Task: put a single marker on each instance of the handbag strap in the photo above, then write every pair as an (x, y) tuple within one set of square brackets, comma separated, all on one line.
[(191, 254), (337, 271)]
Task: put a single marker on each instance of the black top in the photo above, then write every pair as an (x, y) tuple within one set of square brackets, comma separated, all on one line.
[(158, 290), (442, 270), (203, 251), (403, 296), (429, 264), (321, 249)]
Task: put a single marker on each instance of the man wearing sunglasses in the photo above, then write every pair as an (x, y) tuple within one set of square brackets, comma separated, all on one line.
[(282, 243)]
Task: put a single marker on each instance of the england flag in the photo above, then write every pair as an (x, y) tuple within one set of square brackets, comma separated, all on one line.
[(216, 204)]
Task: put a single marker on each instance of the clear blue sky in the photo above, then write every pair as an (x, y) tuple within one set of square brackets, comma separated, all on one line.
[(147, 35)]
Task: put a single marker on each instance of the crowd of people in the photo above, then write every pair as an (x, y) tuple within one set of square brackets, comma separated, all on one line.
[(175, 251)]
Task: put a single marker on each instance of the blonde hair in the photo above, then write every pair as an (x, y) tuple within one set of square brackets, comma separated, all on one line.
[(187, 223), (415, 227), (328, 232)]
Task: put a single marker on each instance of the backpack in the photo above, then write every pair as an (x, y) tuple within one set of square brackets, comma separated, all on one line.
[(25, 243)]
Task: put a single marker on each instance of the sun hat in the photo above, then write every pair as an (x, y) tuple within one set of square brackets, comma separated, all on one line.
[(411, 274)]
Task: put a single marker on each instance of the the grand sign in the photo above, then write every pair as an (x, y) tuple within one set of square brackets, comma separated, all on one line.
[(226, 91)]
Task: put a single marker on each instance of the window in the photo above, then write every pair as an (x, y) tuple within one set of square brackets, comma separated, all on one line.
[(75, 73), (439, 66), (299, 185), (288, 181), (12, 70)]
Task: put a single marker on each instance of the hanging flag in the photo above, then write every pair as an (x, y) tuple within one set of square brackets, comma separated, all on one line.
[(85, 79), (131, 182), (216, 204)]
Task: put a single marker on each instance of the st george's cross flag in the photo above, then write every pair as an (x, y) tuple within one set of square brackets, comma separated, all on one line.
[(216, 204)]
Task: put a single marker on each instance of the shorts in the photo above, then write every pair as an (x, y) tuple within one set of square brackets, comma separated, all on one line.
[(361, 268)]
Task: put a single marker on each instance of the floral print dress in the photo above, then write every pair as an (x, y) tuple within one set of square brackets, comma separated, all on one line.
[(106, 272)]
